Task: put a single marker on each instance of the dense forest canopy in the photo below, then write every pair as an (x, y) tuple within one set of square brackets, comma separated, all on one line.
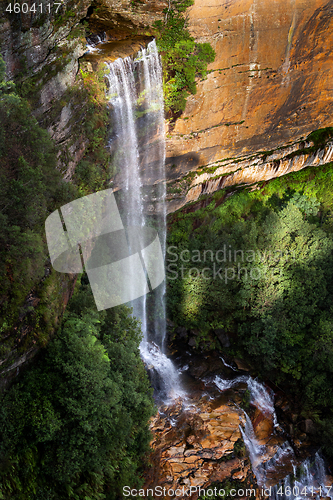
[(259, 267), (75, 425)]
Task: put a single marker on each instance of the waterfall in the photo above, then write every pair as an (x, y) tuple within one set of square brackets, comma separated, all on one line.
[(225, 384), (256, 451), (309, 478), (260, 396), (227, 364), (137, 157)]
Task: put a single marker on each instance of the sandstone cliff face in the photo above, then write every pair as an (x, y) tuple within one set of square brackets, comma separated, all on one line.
[(245, 170), (123, 19), (41, 51), (268, 87), (30, 41), (270, 83)]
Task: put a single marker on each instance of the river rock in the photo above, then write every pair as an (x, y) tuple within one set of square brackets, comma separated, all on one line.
[(241, 365), (192, 342), (223, 337), (181, 332), (195, 446), (308, 426)]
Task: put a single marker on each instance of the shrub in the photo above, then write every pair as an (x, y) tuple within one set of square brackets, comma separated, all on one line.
[(183, 58)]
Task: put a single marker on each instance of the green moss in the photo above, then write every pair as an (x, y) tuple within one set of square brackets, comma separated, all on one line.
[(94, 171), (320, 136), (63, 19), (240, 448), (175, 190), (30, 87)]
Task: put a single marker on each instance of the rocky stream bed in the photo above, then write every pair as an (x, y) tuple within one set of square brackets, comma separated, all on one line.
[(225, 433)]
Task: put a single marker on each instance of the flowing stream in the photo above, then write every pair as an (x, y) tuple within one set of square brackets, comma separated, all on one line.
[(308, 479), (137, 156)]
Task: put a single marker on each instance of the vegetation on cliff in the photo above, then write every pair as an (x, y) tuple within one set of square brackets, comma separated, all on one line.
[(259, 267), (75, 425), (93, 171), (183, 58), (30, 188)]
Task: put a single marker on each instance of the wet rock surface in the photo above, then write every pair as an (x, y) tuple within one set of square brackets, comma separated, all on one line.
[(226, 432), (195, 446)]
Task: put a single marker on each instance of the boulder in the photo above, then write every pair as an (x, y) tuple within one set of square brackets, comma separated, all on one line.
[(222, 337), (308, 426)]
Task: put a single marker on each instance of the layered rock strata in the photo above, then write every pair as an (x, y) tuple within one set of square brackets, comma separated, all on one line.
[(195, 447), (246, 170)]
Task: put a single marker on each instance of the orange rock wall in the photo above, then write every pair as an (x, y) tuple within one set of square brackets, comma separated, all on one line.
[(271, 81)]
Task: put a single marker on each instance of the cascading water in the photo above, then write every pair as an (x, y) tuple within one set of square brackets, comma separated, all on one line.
[(94, 40), (308, 480), (137, 155), (260, 396), (256, 451)]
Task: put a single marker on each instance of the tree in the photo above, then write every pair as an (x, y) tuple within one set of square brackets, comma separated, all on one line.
[(76, 424)]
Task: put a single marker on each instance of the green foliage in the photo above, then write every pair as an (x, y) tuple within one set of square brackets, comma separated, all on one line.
[(30, 188), (320, 136), (281, 315), (246, 398), (309, 206), (92, 173), (183, 58), (240, 448), (76, 424)]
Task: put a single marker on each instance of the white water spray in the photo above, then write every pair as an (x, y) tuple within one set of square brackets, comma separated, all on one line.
[(260, 395), (137, 152), (309, 479), (262, 398), (256, 451)]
